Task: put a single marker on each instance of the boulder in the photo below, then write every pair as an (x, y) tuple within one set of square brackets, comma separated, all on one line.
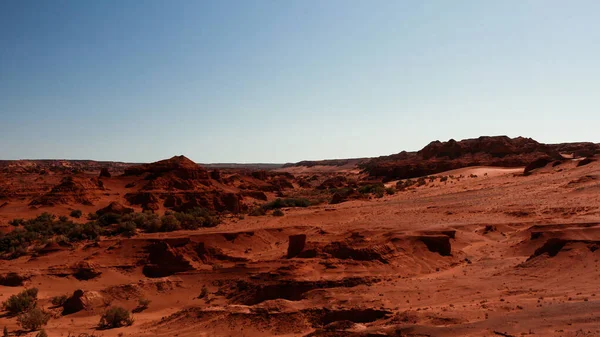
[(82, 300)]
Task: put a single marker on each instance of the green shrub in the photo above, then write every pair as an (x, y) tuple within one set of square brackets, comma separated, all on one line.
[(59, 301), (107, 219), (21, 302), (378, 188), (127, 228), (115, 317), (278, 212), (169, 223), (33, 319), (76, 213), (16, 222), (143, 302), (390, 191), (287, 202)]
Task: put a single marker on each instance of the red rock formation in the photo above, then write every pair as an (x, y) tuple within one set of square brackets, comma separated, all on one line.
[(443, 156)]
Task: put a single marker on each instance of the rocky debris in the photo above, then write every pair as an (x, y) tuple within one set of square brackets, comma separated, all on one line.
[(115, 208), (82, 300), (296, 245), (105, 173)]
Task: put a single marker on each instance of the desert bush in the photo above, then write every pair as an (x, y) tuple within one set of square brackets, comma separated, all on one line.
[(58, 301), (196, 218), (443, 179), (278, 212), (21, 302), (5, 332), (286, 202), (33, 319), (143, 302), (390, 191), (76, 213), (107, 219), (127, 228), (169, 223), (115, 317), (42, 333), (16, 222)]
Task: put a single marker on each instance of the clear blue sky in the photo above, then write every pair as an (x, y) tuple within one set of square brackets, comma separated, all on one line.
[(283, 81)]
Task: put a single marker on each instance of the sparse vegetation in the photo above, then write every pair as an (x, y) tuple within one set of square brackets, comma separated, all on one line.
[(59, 301), (286, 202), (278, 212), (143, 304), (16, 222), (76, 213), (42, 333), (403, 185), (21, 302), (46, 227), (390, 191), (5, 332), (33, 319), (115, 317)]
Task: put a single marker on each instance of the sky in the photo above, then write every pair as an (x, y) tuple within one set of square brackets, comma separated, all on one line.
[(282, 81)]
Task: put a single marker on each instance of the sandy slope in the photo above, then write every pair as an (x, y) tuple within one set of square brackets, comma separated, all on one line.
[(523, 260)]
